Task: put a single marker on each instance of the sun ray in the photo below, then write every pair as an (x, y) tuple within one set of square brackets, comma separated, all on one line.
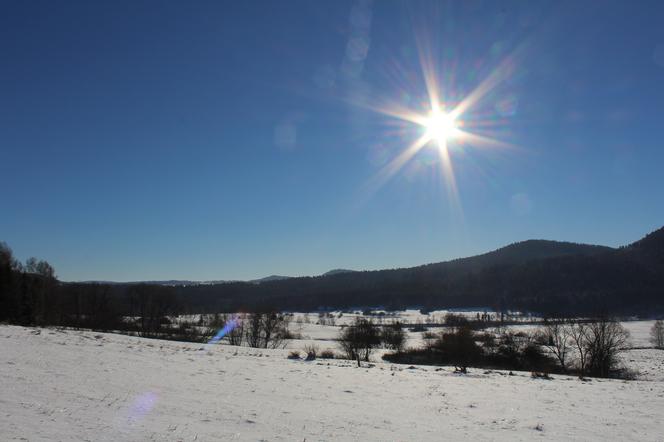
[(402, 114), (503, 71), (393, 110), (447, 175), (429, 73), (389, 170), (481, 140)]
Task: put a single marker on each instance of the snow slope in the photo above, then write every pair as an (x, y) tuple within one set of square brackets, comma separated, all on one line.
[(71, 385)]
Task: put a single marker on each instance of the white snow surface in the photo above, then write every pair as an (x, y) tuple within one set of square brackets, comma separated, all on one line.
[(65, 385)]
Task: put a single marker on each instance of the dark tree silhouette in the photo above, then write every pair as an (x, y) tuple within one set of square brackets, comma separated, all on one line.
[(393, 337), (359, 339)]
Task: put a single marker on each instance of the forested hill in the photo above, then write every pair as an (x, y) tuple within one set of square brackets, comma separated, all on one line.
[(547, 276), (650, 248), (536, 275), (518, 253)]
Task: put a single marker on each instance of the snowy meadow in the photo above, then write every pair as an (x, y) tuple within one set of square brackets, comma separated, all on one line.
[(63, 384)]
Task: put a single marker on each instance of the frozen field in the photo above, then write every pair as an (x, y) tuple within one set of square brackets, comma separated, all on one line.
[(71, 385)]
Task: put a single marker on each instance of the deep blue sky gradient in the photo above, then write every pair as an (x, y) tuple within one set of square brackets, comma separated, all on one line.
[(223, 140)]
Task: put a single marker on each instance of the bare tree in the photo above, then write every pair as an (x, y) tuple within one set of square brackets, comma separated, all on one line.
[(253, 329), (657, 334), (44, 269), (235, 334), (393, 337), (598, 344), (359, 339), (579, 336), (459, 347), (266, 329), (275, 329), (42, 288), (429, 339), (556, 337), (31, 265), (605, 340), (7, 283)]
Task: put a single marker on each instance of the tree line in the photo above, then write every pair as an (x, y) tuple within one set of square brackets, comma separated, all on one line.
[(31, 295)]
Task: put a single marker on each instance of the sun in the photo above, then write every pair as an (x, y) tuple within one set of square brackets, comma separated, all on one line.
[(440, 126), (443, 122)]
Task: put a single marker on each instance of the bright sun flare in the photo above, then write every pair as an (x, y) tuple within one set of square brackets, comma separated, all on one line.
[(445, 125), (440, 127)]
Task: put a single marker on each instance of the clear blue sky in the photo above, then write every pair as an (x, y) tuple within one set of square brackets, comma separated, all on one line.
[(225, 140)]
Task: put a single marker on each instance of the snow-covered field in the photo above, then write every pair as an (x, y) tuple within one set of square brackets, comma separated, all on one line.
[(74, 385)]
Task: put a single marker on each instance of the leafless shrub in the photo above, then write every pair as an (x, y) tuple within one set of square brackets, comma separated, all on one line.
[(327, 354), (311, 351), (540, 375)]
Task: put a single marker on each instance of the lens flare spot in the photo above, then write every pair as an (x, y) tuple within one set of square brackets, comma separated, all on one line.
[(142, 405), (227, 328)]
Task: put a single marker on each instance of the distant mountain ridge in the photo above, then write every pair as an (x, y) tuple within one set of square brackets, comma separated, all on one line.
[(538, 275), (169, 282), (187, 282), (515, 253), (337, 271), (269, 279)]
